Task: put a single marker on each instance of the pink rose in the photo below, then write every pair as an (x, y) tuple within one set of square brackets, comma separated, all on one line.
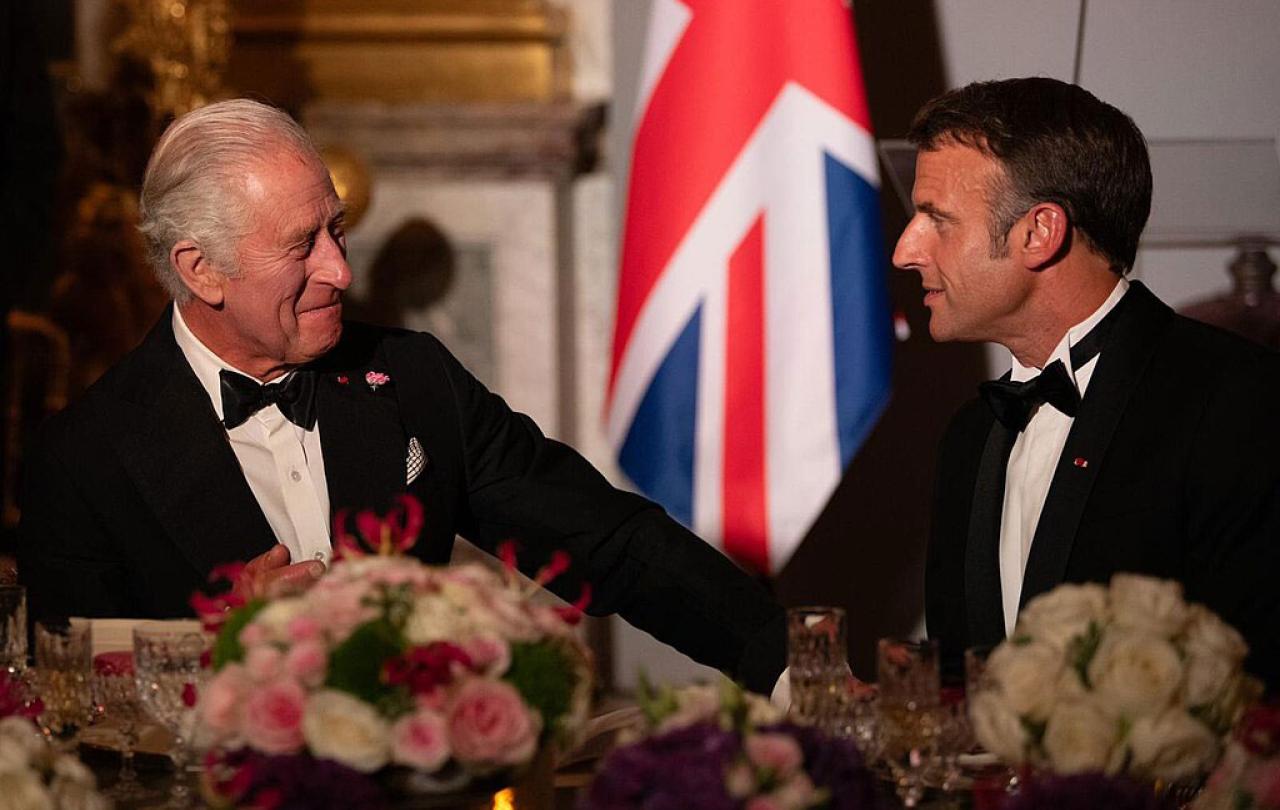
[(1264, 784), (303, 628), (273, 717), (489, 723), (341, 608), (420, 740), (263, 662), (776, 753), (489, 654), (306, 661), (221, 700), (253, 634)]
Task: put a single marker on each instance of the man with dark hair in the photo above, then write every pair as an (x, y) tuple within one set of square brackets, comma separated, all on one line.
[(1125, 437)]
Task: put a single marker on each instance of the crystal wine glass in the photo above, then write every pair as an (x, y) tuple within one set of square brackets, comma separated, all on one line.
[(169, 661), (911, 714), (116, 694), (63, 650), (818, 666)]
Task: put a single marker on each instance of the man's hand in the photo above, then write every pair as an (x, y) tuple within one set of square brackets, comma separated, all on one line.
[(271, 574)]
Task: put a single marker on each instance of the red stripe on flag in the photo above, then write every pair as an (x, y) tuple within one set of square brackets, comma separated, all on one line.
[(728, 68), (745, 502)]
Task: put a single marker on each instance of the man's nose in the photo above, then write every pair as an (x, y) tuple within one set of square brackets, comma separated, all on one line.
[(333, 268), (907, 254)]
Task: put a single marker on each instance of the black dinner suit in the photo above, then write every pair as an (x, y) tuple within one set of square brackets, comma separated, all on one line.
[(134, 494), (1171, 468)]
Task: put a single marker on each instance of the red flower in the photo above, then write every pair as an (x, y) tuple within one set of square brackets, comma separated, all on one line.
[(394, 533), (1260, 730), (427, 668), (189, 695)]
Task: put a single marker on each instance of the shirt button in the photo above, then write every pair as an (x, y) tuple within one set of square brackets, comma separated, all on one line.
[(295, 475), (320, 555)]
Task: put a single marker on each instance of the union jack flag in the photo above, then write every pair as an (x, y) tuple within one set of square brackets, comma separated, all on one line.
[(751, 346)]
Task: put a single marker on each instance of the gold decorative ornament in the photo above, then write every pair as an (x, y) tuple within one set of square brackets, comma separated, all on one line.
[(185, 44), (350, 175)]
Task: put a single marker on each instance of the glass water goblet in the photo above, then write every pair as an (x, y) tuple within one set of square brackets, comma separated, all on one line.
[(13, 629), (169, 660), (912, 718), (116, 695), (818, 666), (63, 651)]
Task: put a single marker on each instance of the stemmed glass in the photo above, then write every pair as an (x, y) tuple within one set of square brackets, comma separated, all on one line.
[(63, 650), (170, 667), (116, 693), (911, 713), (818, 666), (13, 629)]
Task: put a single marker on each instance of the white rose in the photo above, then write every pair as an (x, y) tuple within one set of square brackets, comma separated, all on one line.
[(1172, 745), (436, 619), (23, 732), (1026, 676), (1135, 675), (1210, 634), (694, 704), (1081, 737), (1148, 605), (72, 770), (340, 727), (997, 728), (275, 617), (1207, 678), (1062, 614), (13, 756), (23, 790)]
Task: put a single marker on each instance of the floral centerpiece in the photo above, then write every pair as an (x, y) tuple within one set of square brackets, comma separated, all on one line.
[(719, 748), (1248, 777), (1127, 679), (386, 664), (33, 774)]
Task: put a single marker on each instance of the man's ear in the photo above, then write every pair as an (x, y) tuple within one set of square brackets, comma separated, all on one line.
[(1047, 236), (193, 265)]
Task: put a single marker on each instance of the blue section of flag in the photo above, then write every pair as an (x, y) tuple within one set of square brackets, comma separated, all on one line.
[(658, 452), (859, 304)]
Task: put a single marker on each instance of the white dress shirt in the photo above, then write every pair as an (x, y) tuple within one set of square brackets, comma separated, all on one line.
[(1034, 459), (281, 461)]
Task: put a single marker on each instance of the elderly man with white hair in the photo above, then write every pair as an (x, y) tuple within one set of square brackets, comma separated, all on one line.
[(252, 412)]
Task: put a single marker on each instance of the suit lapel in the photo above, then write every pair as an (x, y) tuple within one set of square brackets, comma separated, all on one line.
[(179, 457), (1126, 353), (985, 605), (362, 438)]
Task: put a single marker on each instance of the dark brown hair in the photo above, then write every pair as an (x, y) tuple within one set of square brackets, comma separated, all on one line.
[(1057, 143)]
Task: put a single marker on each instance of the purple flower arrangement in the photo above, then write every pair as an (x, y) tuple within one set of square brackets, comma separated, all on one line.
[(729, 752), (1087, 791)]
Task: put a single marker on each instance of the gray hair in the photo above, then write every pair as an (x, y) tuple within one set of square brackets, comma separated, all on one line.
[(192, 186)]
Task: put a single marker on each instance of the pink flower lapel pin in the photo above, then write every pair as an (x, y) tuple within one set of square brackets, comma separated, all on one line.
[(376, 379)]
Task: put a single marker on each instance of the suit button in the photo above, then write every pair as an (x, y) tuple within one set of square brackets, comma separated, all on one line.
[(295, 475)]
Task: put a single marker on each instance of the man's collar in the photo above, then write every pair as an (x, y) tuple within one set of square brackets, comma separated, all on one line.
[(1021, 373), (204, 362)]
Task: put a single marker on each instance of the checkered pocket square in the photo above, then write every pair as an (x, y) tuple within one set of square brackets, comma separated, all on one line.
[(415, 462)]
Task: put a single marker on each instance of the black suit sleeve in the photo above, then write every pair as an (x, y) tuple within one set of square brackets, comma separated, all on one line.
[(640, 563), (64, 556), (1232, 503)]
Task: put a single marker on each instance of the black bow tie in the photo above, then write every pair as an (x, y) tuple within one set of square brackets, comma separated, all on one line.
[(1013, 402), (242, 397)]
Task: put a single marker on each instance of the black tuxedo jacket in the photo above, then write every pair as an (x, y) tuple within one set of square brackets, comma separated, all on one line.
[(134, 493), (1171, 468)]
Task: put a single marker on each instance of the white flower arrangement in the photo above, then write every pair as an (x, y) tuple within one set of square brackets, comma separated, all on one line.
[(1126, 679), (34, 776)]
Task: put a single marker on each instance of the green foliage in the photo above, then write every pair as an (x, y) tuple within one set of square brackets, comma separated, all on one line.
[(542, 673), (656, 704), (355, 665), (1082, 649), (226, 647)]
